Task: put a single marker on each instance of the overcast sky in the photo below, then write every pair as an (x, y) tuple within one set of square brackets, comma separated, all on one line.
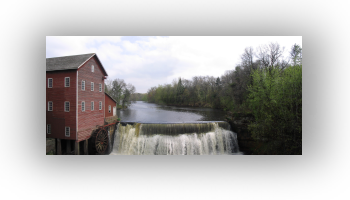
[(149, 61)]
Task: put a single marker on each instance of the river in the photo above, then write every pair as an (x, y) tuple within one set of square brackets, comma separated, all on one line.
[(151, 129), (149, 113)]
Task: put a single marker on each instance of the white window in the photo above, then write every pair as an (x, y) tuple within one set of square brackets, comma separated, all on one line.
[(92, 86), (83, 85), (66, 106), (83, 106), (66, 81), (109, 108), (92, 68), (48, 129), (100, 105), (49, 83), (67, 131), (100, 87), (92, 105), (50, 106)]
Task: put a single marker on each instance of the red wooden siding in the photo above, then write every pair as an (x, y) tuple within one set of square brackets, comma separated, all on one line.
[(88, 120), (58, 94), (109, 102)]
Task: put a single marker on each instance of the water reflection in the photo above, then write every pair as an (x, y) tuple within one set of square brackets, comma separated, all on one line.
[(150, 112)]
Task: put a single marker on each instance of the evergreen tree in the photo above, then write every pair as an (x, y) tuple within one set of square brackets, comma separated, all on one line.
[(180, 91)]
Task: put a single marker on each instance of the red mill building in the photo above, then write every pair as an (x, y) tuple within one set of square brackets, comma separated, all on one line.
[(75, 100)]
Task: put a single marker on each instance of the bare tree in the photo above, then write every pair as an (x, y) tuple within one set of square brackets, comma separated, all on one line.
[(270, 55), (263, 56), (275, 53), (247, 57)]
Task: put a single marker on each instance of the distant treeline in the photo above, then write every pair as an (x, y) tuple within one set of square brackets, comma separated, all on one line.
[(139, 97), (264, 84)]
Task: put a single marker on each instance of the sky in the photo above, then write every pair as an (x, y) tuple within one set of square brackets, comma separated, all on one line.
[(156, 60)]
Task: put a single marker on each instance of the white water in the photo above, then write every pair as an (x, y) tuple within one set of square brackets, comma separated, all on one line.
[(216, 142)]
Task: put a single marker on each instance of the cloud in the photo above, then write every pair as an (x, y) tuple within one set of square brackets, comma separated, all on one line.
[(150, 61), (130, 47)]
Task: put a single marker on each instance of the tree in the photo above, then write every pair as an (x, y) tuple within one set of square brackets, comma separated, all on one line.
[(247, 57), (296, 54), (117, 90), (270, 54), (120, 91), (275, 99), (128, 91), (179, 91)]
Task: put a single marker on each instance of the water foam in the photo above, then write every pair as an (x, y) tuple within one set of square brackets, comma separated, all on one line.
[(158, 139)]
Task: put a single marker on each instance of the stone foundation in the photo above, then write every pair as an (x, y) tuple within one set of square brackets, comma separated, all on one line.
[(50, 146)]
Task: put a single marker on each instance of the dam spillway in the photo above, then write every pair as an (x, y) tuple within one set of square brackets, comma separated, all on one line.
[(197, 138)]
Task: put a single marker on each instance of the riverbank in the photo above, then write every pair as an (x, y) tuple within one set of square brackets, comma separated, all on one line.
[(119, 107), (239, 124)]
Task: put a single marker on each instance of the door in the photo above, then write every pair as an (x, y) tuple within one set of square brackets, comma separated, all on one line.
[(114, 111)]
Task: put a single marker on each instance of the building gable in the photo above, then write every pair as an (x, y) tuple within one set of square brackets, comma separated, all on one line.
[(110, 97), (72, 62)]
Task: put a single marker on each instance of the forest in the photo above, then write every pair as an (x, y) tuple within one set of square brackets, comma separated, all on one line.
[(264, 84)]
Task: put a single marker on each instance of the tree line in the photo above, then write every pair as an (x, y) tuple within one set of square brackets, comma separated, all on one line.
[(138, 97), (264, 84)]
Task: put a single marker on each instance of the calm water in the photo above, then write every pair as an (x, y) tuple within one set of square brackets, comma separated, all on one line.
[(149, 112)]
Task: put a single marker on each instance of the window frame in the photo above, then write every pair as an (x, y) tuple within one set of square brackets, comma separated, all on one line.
[(109, 109), (66, 107), (65, 131), (83, 85), (83, 106), (65, 81), (48, 128), (48, 82), (92, 105), (100, 105), (92, 68), (92, 86), (48, 106), (100, 87)]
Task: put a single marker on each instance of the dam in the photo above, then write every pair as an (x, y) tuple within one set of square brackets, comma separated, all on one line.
[(197, 138)]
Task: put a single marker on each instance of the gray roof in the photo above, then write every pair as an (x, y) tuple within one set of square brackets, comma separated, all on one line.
[(70, 62)]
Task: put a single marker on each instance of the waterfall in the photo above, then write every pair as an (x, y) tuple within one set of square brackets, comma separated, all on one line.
[(200, 138)]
